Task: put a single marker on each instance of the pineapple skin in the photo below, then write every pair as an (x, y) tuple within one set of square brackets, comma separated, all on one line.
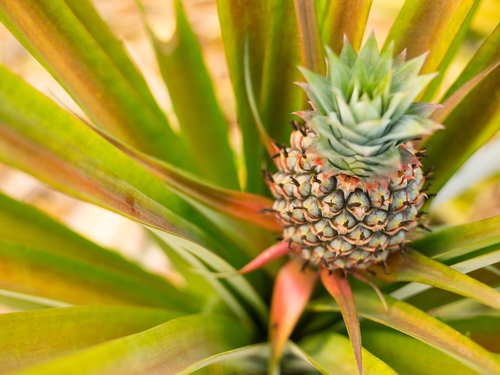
[(336, 219)]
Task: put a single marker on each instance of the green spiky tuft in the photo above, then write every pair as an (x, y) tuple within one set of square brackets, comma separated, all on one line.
[(364, 111)]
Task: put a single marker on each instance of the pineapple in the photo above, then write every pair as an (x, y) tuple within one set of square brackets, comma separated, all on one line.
[(350, 187)]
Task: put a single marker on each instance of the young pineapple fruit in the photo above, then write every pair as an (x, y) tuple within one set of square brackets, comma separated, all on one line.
[(350, 187)]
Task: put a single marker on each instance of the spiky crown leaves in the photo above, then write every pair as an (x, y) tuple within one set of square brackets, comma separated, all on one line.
[(364, 111)]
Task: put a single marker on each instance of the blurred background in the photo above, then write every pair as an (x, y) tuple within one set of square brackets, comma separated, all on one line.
[(476, 188)]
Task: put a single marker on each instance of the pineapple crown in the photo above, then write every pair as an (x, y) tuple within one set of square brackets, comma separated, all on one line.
[(364, 112)]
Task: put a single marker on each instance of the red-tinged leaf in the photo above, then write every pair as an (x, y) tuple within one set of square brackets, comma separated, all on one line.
[(201, 121), (167, 349), (453, 100), (292, 290), (58, 39), (428, 26), (40, 138), (488, 54), (280, 96), (416, 323), (418, 268), (337, 285), (345, 18), (312, 55), (239, 21), (33, 337), (245, 206), (454, 242), (266, 256)]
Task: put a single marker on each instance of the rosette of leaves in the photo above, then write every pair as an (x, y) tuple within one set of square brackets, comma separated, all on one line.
[(84, 309)]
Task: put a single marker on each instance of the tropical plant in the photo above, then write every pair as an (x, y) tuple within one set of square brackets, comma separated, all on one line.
[(88, 310)]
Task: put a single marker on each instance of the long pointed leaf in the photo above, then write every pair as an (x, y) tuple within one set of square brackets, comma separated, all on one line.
[(428, 25), (50, 275), (331, 353), (293, 288), (415, 323), (402, 352), (487, 54), (24, 224), (337, 285), (50, 28), (33, 337), (418, 268), (201, 120), (484, 330), (242, 205), (480, 109), (345, 18), (459, 240), (40, 138), (240, 20), (166, 349), (312, 55), (280, 96)]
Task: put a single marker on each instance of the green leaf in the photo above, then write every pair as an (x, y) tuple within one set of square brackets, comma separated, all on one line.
[(280, 96), (416, 323), (58, 36), (240, 20), (187, 252), (345, 18), (245, 206), (450, 54), (40, 138), (201, 120), (34, 337), (484, 330), (312, 55), (481, 107), (22, 301), (166, 349), (331, 353), (409, 356), (487, 54), (245, 355), (55, 276), (456, 241), (24, 224), (418, 268), (428, 26)]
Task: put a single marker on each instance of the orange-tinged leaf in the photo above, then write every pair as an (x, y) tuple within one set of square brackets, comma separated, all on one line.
[(345, 18), (245, 206), (428, 26), (337, 285), (416, 323), (312, 55), (292, 290), (418, 268), (69, 52)]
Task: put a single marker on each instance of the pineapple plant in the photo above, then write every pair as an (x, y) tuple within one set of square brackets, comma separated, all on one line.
[(350, 190)]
